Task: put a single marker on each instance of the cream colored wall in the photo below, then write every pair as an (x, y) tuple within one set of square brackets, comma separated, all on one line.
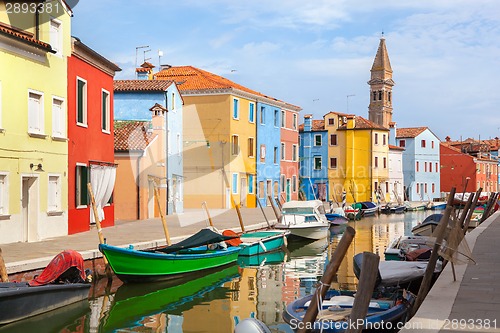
[(23, 69), (336, 176)]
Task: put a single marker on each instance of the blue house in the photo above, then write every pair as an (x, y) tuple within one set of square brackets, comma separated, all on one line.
[(143, 99), (421, 162), (268, 151), (313, 154)]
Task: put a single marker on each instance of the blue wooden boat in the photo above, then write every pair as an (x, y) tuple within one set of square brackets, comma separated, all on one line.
[(388, 306), (258, 242), (368, 208)]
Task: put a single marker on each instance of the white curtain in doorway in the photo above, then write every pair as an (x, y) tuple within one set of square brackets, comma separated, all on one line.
[(102, 179)]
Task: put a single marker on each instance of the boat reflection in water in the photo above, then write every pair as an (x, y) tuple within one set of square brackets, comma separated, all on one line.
[(268, 258), (134, 303)]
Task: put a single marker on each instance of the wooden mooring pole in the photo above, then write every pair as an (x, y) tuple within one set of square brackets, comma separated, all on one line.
[(263, 213), (204, 205), (163, 219), (3, 270), (326, 280), (466, 222), (367, 280), (276, 211), (431, 265)]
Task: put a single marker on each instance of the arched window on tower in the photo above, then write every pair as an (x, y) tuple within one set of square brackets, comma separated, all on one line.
[(380, 95), (374, 95), (389, 96)]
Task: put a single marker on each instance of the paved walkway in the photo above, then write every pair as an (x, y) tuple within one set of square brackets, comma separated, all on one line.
[(21, 257), (472, 303)]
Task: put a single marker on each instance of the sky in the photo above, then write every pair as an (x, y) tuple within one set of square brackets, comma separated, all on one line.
[(445, 54)]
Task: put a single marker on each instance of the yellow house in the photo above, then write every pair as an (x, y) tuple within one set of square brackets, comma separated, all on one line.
[(34, 47), (219, 138), (358, 157)]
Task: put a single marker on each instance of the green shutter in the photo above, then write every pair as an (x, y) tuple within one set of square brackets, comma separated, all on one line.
[(80, 96)]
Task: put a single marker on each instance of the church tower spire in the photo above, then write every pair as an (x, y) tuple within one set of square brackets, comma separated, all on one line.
[(381, 83)]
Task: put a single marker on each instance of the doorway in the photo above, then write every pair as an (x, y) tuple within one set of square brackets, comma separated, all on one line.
[(29, 207), (243, 192)]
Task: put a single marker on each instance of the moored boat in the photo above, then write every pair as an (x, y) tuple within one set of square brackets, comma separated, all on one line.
[(199, 252), (402, 245), (369, 208), (61, 283), (427, 226), (304, 219), (385, 307), (253, 243)]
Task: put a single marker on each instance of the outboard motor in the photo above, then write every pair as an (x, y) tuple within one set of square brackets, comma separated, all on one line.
[(251, 325)]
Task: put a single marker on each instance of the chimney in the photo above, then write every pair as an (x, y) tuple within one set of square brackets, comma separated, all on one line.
[(165, 67), (448, 139), (392, 133), (351, 121), (307, 122)]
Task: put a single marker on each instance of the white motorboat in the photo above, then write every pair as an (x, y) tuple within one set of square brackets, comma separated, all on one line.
[(304, 219)]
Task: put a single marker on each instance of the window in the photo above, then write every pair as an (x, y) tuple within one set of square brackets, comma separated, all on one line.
[(374, 95), (389, 96), (380, 95), (437, 167), (385, 163), (105, 115), (54, 197), (276, 118), (418, 188), (82, 178), (294, 183), (386, 187), (262, 115), (81, 102), (173, 101), (283, 120), (179, 144), (317, 140), (250, 184), (376, 161), (331, 121), (384, 140), (251, 113), (422, 143), (430, 166), (4, 194), (402, 143), (317, 162), (262, 194), (234, 184), (433, 188), (294, 121), (236, 109), (282, 151), (56, 36), (275, 157), (276, 189), (376, 138), (235, 145), (262, 153), (294, 153), (250, 147), (333, 139), (58, 118), (432, 144), (425, 188), (425, 166), (282, 183), (417, 166), (35, 113), (333, 163)]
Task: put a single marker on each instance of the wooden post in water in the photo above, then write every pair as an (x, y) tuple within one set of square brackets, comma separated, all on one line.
[(163, 220), (3, 270), (99, 229), (326, 280), (431, 265), (276, 212), (466, 222), (263, 213), (367, 280), (204, 205)]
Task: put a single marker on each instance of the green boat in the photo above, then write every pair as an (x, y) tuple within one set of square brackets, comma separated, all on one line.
[(132, 303), (258, 242), (191, 255)]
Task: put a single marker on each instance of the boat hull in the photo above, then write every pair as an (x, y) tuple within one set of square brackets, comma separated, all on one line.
[(312, 231), (259, 242), (139, 266), (19, 301)]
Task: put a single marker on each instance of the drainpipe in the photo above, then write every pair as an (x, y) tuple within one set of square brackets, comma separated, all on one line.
[(166, 150), (139, 187)]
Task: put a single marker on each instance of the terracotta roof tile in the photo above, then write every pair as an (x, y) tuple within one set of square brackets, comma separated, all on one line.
[(396, 147), (409, 132), (132, 135), (142, 70), (141, 85), (317, 125), (24, 37), (362, 123), (189, 78)]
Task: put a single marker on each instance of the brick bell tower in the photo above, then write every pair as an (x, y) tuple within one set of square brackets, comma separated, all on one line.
[(381, 83)]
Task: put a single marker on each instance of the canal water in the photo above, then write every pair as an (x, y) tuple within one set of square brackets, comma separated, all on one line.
[(216, 301)]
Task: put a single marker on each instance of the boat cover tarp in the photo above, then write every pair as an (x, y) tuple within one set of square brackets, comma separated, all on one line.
[(202, 237), (368, 204), (61, 264), (433, 218)]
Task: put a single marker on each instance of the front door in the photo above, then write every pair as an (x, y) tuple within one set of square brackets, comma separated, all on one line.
[(29, 202), (288, 196), (243, 192)]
